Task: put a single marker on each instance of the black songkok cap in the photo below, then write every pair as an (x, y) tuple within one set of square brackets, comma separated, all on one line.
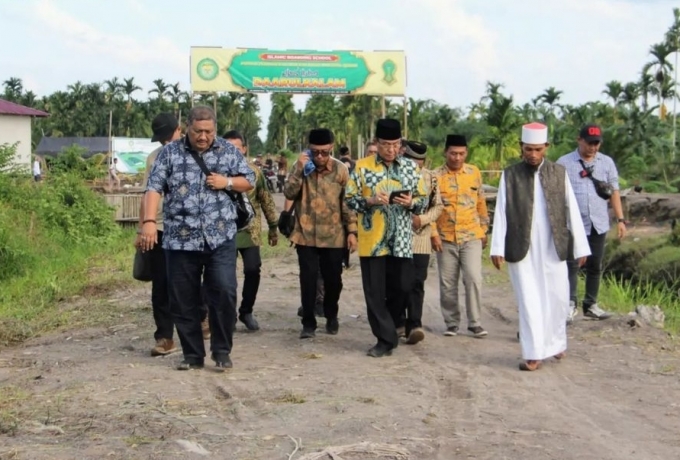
[(415, 150), (455, 140), (388, 129), (321, 136)]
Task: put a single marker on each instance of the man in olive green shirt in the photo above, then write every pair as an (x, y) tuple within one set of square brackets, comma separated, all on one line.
[(248, 240)]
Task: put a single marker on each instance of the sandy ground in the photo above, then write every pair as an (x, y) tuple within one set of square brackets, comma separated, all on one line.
[(96, 393)]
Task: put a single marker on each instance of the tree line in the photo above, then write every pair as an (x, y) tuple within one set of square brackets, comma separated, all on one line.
[(638, 128)]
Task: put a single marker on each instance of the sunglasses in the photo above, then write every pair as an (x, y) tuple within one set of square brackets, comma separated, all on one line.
[(322, 153)]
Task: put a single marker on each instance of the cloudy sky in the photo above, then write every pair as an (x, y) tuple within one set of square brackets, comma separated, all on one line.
[(453, 46)]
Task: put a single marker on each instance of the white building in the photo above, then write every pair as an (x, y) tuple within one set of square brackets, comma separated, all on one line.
[(15, 127)]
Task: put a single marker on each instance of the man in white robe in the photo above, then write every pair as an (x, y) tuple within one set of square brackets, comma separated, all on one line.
[(536, 216)]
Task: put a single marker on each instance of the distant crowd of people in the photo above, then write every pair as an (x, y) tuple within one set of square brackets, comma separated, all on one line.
[(550, 220)]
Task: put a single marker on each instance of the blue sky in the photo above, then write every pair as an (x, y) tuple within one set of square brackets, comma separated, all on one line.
[(453, 46)]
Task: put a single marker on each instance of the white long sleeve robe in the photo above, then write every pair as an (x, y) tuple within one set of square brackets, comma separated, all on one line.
[(540, 280)]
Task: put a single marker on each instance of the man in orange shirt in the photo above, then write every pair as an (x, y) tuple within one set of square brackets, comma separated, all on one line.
[(459, 236)]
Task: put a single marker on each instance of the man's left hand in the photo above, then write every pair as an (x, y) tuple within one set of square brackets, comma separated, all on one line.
[(621, 230), (485, 240), (273, 238), (352, 242), (216, 181), (582, 261), (416, 223)]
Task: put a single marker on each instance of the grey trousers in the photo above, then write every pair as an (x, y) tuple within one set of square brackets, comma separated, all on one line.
[(454, 259)]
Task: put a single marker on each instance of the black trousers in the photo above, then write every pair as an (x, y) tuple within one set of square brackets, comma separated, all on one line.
[(160, 302), (345, 258), (593, 269), (252, 263), (414, 302), (329, 262), (217, 267), (319, 289), (380, 276)]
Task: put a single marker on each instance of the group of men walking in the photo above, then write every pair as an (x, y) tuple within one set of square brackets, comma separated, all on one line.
[(391, 210)]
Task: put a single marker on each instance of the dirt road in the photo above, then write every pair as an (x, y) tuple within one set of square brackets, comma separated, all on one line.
[(98, 394)]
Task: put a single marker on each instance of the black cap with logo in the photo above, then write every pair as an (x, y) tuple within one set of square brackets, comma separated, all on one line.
[(591, 133)]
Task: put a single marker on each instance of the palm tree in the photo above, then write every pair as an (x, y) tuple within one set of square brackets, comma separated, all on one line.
[(14, 87), (646, 83), (550, 97), (280, 119), (416, 116), (502, 129), (476, 110), (161, 89), (613, 90), (176, 97), (29, 99), (250, 120), (661, 68), (113, 89), (630, 94), (129, 87)]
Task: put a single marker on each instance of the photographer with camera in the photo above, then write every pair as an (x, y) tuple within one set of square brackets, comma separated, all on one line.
[(595, 181)]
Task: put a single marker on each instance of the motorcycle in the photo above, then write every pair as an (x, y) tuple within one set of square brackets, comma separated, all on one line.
[(270, 178)]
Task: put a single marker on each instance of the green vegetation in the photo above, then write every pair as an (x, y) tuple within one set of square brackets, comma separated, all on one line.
[(623, 296), (57, 239), (643, 271)]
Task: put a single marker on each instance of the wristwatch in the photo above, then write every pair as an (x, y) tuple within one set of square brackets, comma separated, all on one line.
[(621, 221), (230, 184)]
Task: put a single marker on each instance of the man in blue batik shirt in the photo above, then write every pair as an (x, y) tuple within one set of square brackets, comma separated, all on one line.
[(200, 230)]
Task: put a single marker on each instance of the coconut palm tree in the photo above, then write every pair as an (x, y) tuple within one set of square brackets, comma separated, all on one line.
[(14, 87)]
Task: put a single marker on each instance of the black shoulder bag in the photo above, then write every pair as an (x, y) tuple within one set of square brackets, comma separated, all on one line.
[(603, 189), (244, 208), (286, 222)]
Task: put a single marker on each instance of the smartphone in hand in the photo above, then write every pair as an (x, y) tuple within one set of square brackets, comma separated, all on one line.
[(397, 193)]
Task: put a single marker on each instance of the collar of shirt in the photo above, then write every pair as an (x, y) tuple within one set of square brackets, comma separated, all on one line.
[(378, 159), (329, 166), (575, 156), (465, 169)]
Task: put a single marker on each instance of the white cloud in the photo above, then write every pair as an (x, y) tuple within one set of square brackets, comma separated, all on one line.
[(464, 36), (85, 38)]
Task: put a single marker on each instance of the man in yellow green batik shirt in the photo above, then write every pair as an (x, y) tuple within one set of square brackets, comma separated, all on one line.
[(248, 240), (385, 190)]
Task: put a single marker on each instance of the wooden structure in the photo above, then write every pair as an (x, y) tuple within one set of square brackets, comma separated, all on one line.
[(126, 206)]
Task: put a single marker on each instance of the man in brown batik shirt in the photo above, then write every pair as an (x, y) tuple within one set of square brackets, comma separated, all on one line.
[(324, 226)]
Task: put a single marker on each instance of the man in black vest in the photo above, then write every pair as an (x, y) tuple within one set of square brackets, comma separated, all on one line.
[(535, 211)]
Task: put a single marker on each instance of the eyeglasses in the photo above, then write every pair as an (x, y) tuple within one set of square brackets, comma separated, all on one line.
[(390, 145), (321, 153)]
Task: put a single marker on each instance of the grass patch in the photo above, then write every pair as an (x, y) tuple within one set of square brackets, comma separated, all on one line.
[(282, 248), (289, 398), (624, 296), (11, 398), (33, 303)]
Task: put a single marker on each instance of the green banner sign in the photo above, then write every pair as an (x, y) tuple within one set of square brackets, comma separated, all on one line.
[(330, 72)]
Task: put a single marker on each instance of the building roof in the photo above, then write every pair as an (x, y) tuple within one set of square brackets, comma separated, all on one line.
[(53, 146), (10, 108)]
